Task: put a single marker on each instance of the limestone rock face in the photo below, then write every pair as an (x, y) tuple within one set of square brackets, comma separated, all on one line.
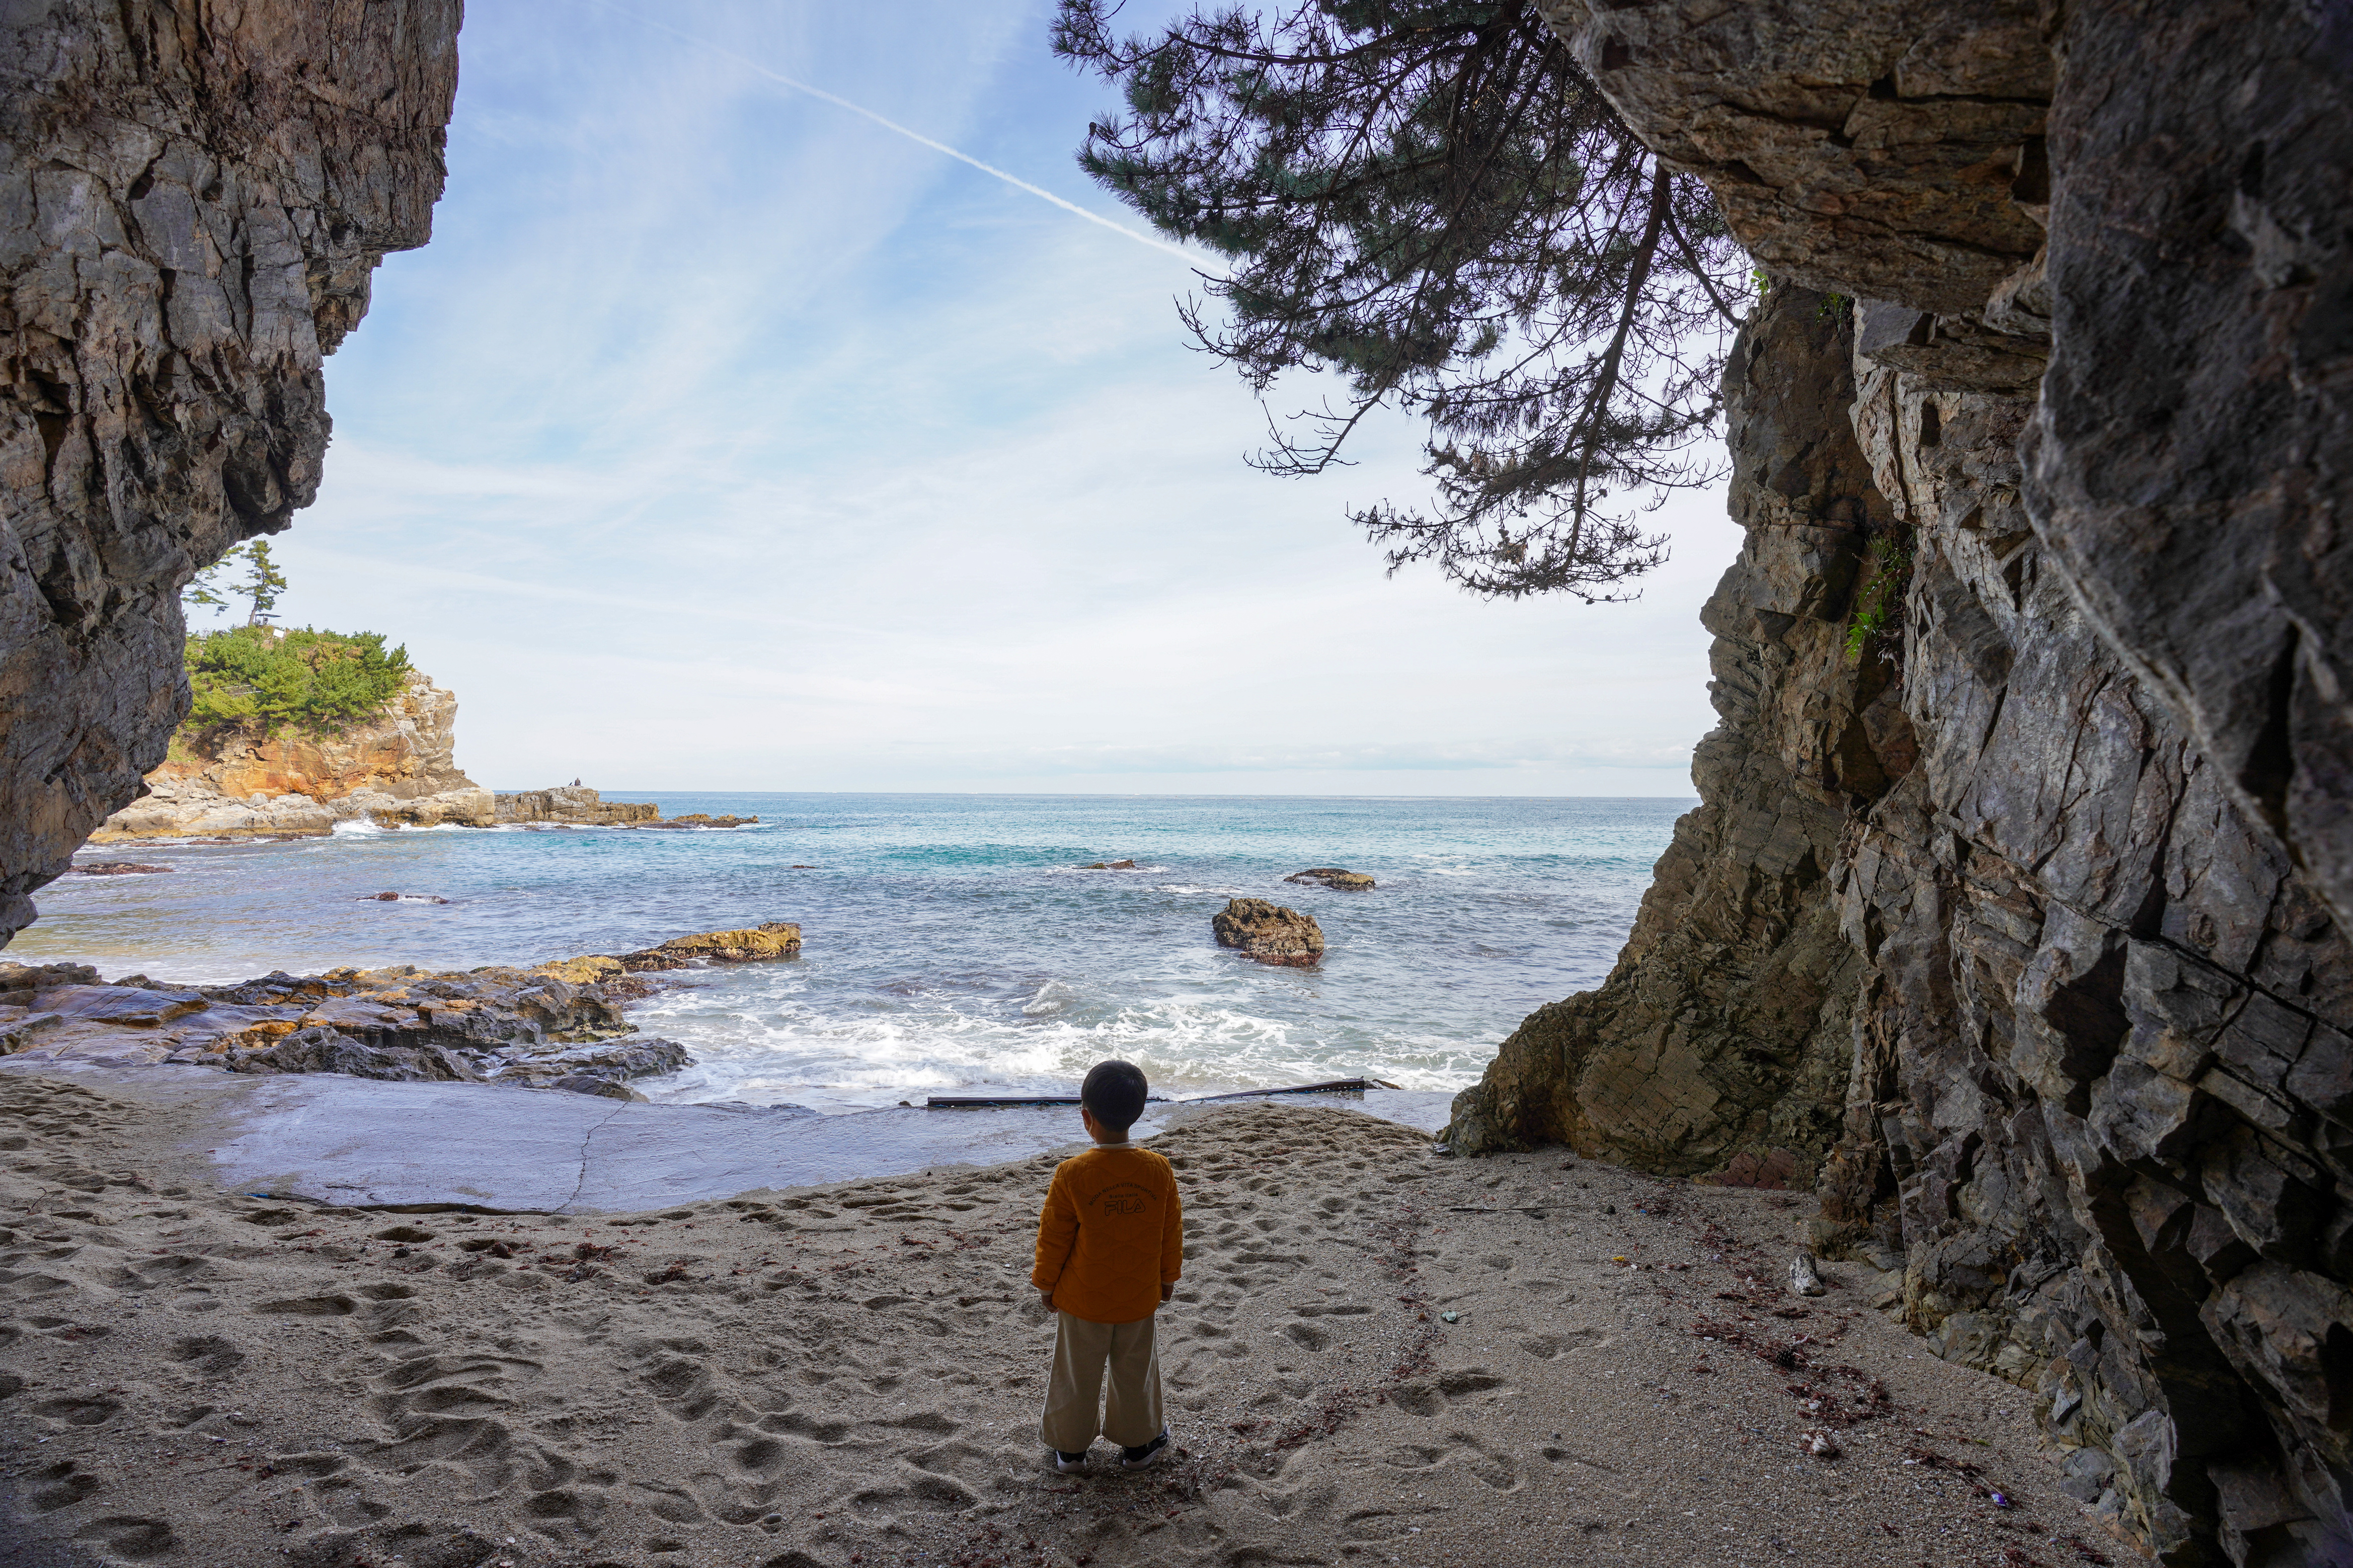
[(2098, 983), (194, 197), (1844, 139), (396, 769), (1269, 932), (1726, 1030)]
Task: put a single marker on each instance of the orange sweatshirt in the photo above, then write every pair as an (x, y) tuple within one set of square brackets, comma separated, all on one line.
[(1111, 1234)]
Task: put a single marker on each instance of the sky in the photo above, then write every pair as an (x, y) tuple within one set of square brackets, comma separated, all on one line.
[(725, 438)]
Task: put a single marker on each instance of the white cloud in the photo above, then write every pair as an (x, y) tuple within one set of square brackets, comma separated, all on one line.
[(722, 439)]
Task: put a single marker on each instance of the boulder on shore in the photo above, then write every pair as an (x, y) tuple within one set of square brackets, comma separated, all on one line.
[(1269, 932), (1334, 877)]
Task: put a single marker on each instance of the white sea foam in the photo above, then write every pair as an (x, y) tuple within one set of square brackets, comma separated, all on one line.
[(951, 946), (1051, 998)]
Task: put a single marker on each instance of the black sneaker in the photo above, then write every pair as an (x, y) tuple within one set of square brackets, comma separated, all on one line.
[(1068, 1462), (1152, 1453)]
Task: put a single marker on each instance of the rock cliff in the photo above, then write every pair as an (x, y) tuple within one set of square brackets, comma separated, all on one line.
[(194, 194), (397, 768), (2074, 1068)]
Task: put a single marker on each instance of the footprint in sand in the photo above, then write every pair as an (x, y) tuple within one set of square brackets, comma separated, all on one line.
[(1306, 1336), (208, 1354), (131, 1538), (62, 1485), (1419, 1398), (1544, 1347)]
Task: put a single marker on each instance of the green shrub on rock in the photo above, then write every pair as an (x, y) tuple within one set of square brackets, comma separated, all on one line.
[(263, 678)]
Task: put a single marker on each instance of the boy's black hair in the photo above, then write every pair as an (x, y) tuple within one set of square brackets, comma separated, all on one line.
[(1114, 1093)]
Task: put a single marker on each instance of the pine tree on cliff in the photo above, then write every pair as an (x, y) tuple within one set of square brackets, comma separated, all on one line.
[(205, 589), (1429, 198), (263, 582)]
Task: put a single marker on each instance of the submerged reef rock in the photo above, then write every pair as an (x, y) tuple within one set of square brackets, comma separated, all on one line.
[(525, 1027), (195, 196), (1269, 932), (2016, 905), (395, 769), (1334, 877), (776, 938)]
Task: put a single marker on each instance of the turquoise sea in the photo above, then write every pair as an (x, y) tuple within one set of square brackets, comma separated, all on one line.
[(950, 943)]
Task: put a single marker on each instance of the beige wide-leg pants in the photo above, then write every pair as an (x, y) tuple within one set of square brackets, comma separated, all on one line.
[(1131, 1415)]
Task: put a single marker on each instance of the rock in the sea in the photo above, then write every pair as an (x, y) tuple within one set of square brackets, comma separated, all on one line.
[(1269, 932), (574, 804), (117, 868), (695, 819), (1334, 877), (774, 939), (400, 898), (1108, 865)]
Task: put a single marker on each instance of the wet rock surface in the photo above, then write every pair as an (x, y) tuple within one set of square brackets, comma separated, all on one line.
[(1335, 878), (1269, 932), (556, 1024), (195, 210), (2089, 1004)]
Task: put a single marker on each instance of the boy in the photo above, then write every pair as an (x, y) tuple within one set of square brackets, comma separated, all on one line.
[(1110, 1246)]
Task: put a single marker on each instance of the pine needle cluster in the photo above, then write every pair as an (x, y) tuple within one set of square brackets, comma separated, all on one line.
[(1430, 198)]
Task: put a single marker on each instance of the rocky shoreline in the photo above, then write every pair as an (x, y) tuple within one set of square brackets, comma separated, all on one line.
[(398, 769), (551, 1026)]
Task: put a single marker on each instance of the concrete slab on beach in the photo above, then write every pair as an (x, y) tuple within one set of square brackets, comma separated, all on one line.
[(360, 1142)]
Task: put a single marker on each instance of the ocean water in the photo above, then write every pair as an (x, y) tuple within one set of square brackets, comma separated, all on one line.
[(951, 943)]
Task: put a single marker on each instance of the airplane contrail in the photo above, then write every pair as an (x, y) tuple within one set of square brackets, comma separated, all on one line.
[(989, 169)]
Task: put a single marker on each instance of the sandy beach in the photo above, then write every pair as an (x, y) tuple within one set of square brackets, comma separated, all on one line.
[(1379, 1355)]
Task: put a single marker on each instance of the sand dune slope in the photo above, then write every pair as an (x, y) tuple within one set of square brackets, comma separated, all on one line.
[(850, 1375)]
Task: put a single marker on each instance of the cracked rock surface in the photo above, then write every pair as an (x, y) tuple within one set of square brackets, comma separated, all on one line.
[(2091, 979), (192, 198)]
